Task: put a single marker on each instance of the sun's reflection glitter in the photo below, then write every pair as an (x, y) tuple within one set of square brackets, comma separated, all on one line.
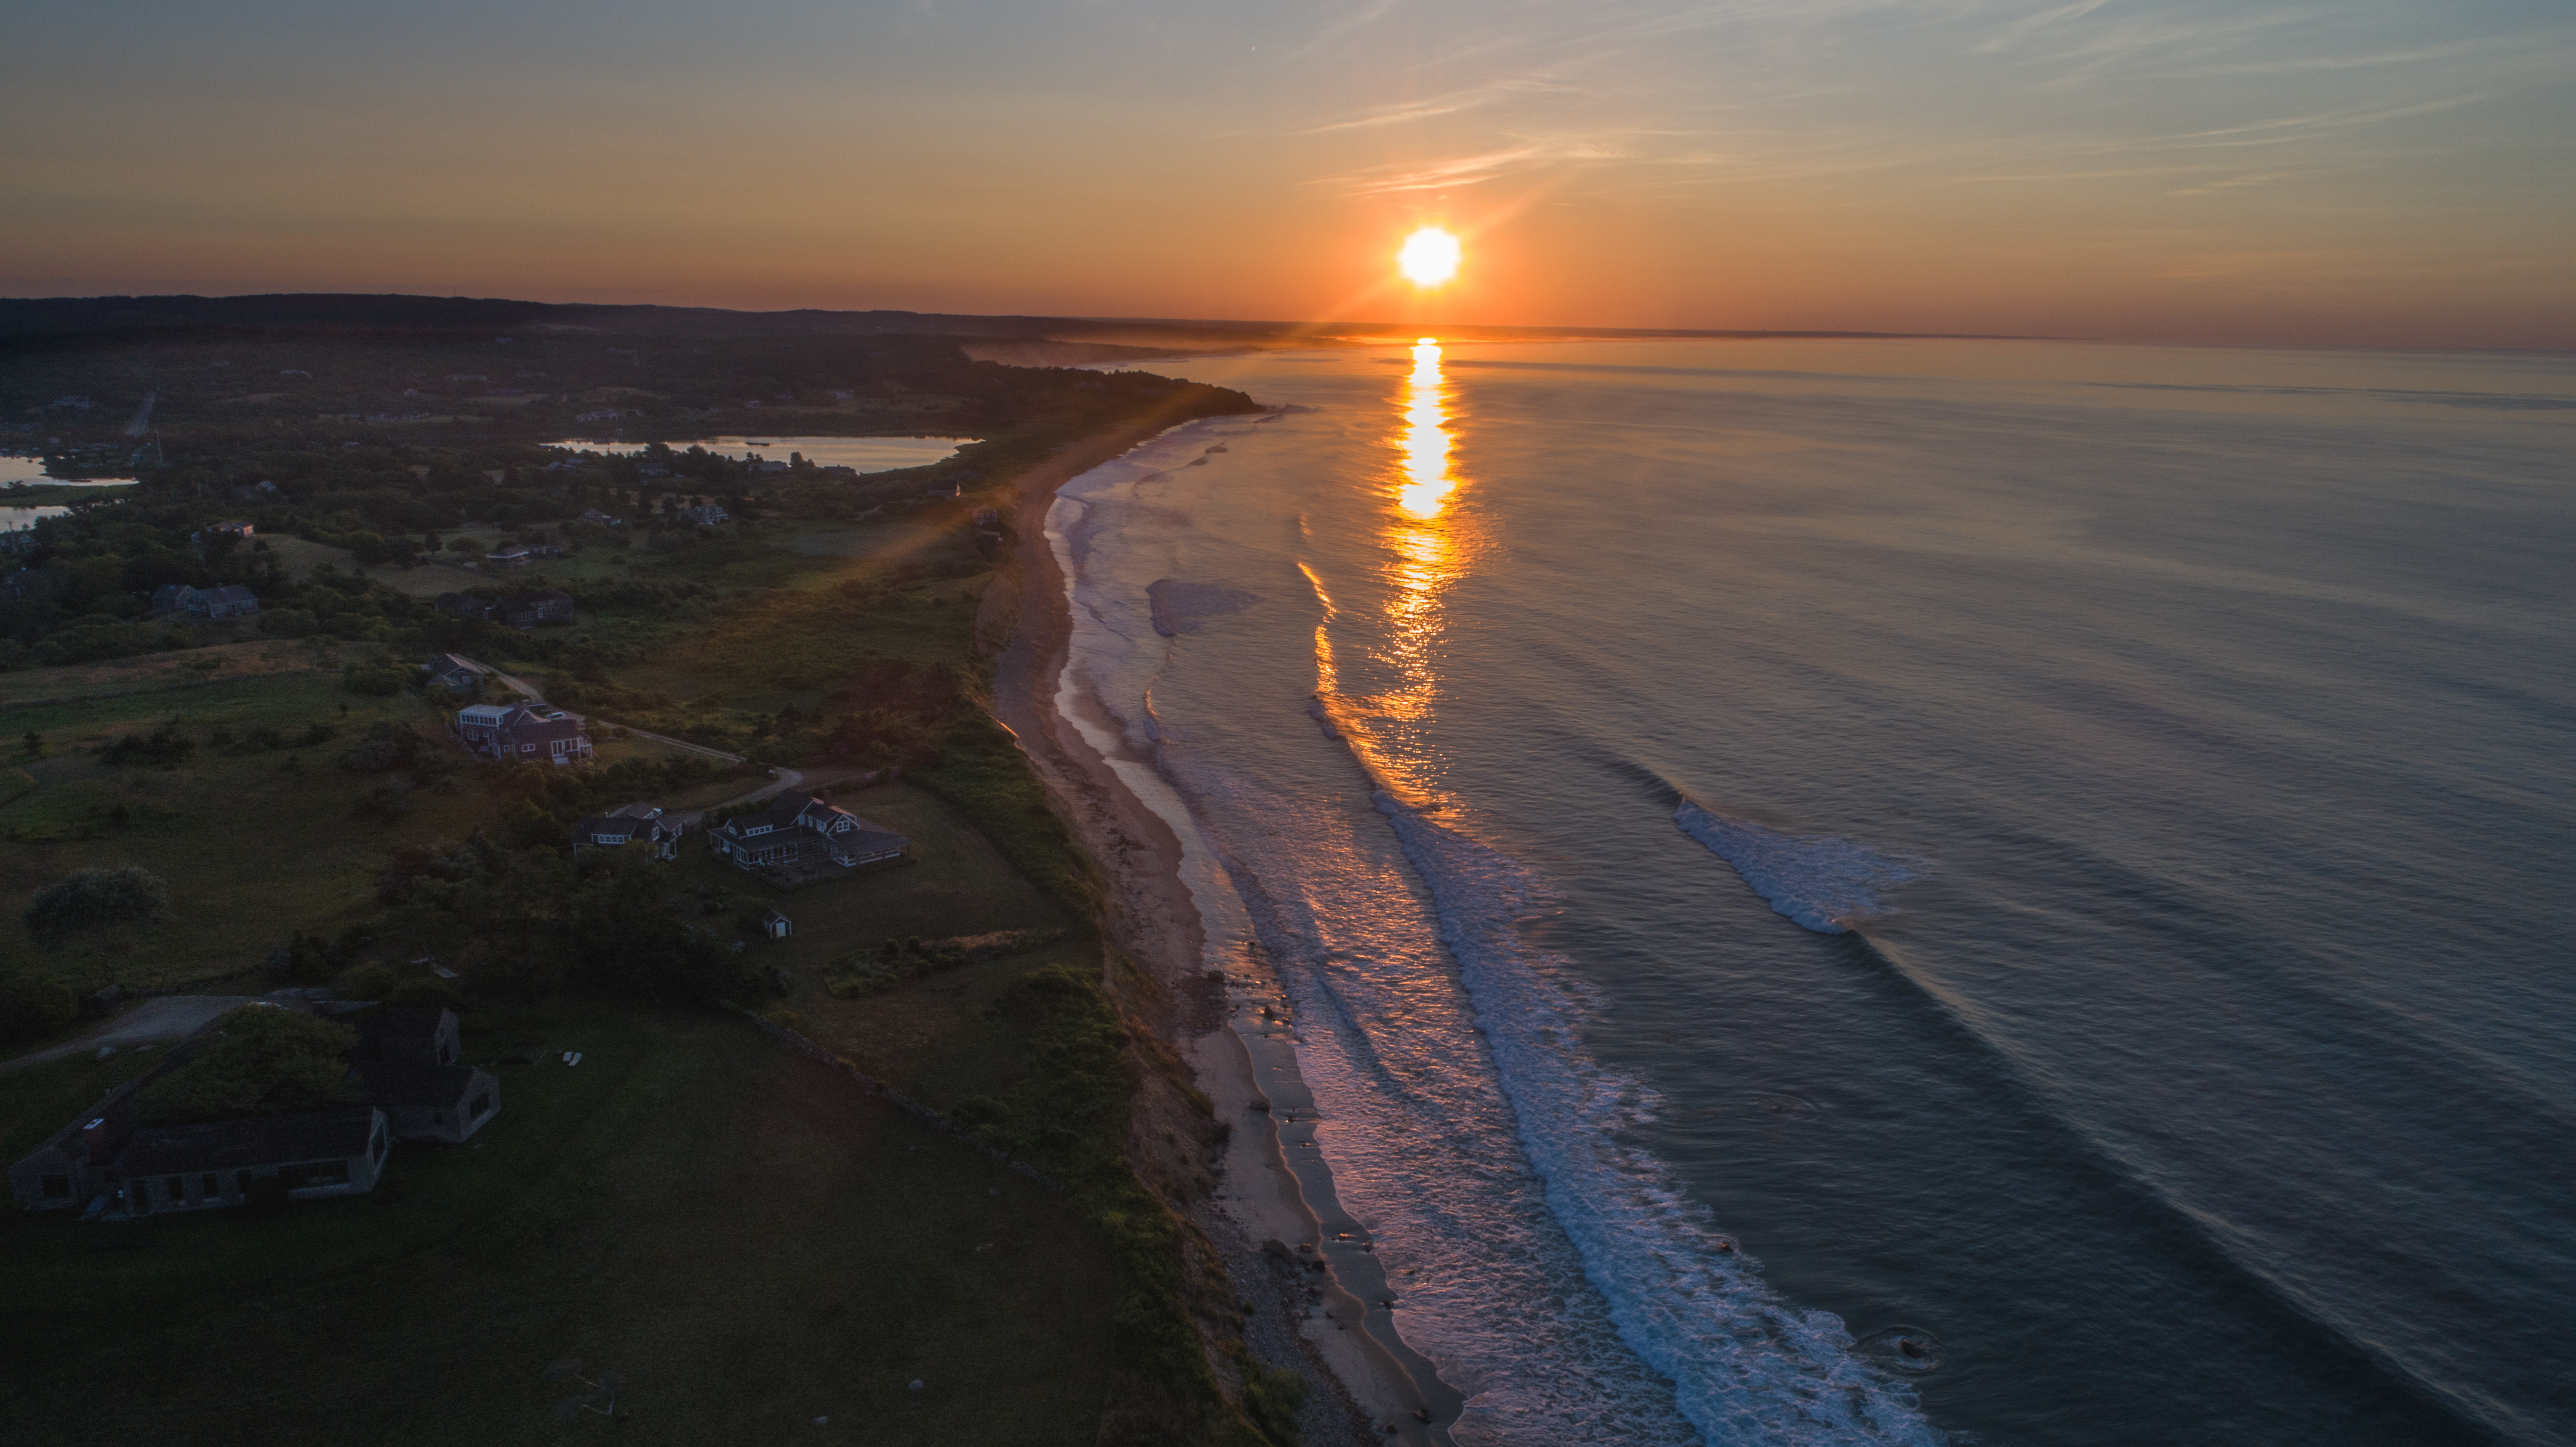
[(1427, 483), (1425, 551)]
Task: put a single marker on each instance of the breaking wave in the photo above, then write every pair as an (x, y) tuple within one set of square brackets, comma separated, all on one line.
[(1823, 881), (1746, 1366)]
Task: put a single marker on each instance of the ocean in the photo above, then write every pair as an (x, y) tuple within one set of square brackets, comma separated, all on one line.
[(1904, 891)]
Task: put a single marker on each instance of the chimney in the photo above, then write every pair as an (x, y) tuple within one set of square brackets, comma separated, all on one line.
[(95, 1133)]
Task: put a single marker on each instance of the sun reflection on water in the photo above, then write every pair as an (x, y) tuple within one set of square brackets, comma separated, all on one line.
[(1427, 482), (1393, 676)]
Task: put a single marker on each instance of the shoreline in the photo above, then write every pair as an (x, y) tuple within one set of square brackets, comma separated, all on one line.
[(1306, 1270)]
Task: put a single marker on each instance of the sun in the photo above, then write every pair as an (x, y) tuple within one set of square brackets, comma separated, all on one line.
[(1429, 257)]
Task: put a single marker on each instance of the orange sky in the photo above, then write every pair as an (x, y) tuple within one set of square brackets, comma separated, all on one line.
[(2249, 171)]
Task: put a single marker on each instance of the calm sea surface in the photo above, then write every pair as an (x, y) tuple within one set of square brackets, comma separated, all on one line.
[(1901, 891)]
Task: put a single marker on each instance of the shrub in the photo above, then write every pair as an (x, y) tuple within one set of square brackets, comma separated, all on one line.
[(370, 981), (424, 994), (164, 748), (1271, 1398), (30, 1007), (264, 1060), (95, 899), (370, 682), (384, 804)]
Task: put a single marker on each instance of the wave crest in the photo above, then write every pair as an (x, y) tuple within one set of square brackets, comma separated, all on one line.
[(1822, 881)]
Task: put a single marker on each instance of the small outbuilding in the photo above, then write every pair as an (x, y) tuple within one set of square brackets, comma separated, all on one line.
[(777, 926)]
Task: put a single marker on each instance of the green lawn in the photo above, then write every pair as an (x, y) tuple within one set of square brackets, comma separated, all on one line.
[(741, 1233), (959, 884), (253, 845)]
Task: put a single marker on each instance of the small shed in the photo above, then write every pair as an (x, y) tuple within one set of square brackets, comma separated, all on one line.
[(777, 926)]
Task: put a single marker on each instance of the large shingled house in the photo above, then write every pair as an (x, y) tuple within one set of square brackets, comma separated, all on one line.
[(526, 610), (641, 825), (229, 601), (515, 731), (799, 830), (405, 1083)]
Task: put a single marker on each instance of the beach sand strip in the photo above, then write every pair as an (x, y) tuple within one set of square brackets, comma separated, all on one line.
[(1322, 1279)]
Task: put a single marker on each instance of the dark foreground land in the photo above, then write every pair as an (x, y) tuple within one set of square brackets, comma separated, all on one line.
[(726, 1224), (748, 1237)]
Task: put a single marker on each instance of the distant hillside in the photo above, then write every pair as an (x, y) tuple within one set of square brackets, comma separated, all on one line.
[(35, 317)]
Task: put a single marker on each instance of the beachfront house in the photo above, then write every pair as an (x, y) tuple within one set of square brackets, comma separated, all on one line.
[(705, 515), (800, 832)]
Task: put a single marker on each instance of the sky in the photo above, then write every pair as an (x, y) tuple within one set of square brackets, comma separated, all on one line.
[(2260, 171)]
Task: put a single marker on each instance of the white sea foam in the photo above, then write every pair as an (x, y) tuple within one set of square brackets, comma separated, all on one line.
[(1558, 1274), (1822, 881), (1746, 1366)]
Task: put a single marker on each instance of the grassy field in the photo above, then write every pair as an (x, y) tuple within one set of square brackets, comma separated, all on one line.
[(253, 844), (928, 1038), (958, 884), (738, 1231), (155, 673)]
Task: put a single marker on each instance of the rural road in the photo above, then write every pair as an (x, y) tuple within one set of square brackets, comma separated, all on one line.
[(164, 1017), (780, 781), (530, 689)]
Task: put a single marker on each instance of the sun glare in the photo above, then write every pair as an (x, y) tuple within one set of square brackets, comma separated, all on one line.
[(1429, 257)]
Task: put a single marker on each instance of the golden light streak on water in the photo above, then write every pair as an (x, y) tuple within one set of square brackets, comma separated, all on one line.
[(1424, 555), (1427, 483)]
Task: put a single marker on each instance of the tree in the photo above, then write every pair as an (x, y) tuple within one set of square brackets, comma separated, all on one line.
[(95, 899), (264, 1060)]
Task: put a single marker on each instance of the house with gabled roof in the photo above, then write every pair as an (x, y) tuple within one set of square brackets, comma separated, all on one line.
[(527, 610), (515, 731), (406, 1082), (453, 672), (631, 825), (799, 831), (232, 600)]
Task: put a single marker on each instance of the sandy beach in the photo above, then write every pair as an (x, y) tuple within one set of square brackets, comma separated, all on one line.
[(1318, 1299)]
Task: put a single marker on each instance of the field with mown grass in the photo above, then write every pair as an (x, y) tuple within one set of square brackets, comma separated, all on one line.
[(739, 1232), (928, 1037)]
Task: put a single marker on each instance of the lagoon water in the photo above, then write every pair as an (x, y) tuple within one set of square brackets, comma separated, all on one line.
[(864, 454), (1848, 891)]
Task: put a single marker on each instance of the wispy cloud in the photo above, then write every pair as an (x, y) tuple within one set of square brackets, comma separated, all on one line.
[(2289, 65), (1471, 98), (1454, 172), (2281, 129), (2023, 29)]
